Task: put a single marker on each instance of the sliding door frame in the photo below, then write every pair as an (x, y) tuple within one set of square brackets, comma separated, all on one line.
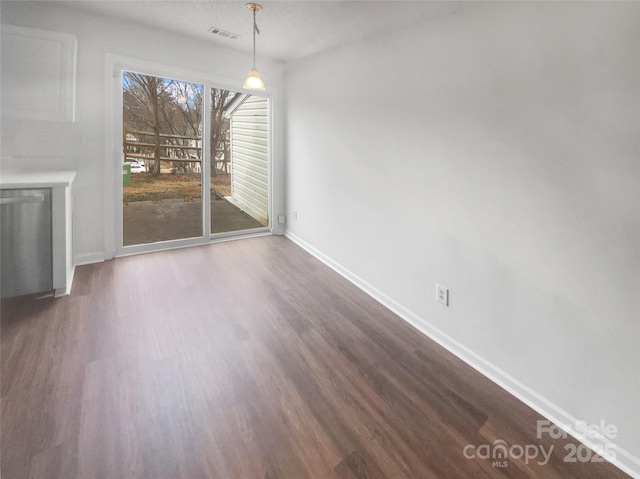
[(114, 156)]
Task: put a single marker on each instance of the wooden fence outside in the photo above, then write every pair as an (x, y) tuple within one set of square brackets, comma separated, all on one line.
[(176, 151)]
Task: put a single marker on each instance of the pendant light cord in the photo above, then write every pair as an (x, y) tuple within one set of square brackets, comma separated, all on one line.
[(255, 29)]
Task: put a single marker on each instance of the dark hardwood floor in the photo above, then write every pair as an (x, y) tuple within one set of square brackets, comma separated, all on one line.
[(242, 360)]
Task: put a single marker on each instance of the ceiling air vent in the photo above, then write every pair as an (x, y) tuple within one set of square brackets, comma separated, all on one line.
[(223, 33)]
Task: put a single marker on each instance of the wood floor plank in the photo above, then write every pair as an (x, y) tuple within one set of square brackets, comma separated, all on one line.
[(309, 440), (241, 360)]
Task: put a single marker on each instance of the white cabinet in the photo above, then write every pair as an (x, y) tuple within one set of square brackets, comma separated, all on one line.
[(38, 74)]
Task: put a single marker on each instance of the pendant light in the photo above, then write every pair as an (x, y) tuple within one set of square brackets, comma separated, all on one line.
[(253, 80)]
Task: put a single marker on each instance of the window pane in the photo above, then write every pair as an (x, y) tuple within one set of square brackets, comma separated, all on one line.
[(162, 140), (239, 161)]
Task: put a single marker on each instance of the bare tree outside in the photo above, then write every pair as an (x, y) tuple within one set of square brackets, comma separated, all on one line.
[(166, 109), (171, 112), (141, 100), (221, 100)]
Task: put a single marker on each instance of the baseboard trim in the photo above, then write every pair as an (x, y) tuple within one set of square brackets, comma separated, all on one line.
[(88, 258), (623, 459)]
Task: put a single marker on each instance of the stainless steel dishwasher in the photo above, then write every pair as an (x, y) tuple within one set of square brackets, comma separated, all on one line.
[(25, 241)]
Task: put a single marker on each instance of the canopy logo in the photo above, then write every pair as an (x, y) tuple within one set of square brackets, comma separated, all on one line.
[(500, 453)]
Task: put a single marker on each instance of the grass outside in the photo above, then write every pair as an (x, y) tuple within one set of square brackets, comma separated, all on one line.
[(147, 187)]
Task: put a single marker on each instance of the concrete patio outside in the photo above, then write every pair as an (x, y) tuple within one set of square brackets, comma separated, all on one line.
[(148, 222)]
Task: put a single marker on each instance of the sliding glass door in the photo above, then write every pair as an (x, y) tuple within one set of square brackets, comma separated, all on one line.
[(196, 162), (162, 170)]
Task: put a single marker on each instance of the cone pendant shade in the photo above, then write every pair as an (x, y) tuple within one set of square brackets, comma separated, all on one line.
[(254, 81)]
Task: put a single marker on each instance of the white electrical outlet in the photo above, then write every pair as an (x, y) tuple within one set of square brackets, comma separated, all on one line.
[(295, 214), (442, 294)]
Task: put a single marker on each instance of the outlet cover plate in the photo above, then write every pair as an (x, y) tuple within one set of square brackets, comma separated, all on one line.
[(442, 294)]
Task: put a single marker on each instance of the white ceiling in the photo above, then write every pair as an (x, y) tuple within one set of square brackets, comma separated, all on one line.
[(289, 29)]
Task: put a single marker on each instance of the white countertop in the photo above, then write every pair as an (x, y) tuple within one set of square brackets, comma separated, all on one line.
[(35, 179)]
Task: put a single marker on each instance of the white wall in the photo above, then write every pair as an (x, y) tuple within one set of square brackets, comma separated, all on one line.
[(494, 151), (81, 145)]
